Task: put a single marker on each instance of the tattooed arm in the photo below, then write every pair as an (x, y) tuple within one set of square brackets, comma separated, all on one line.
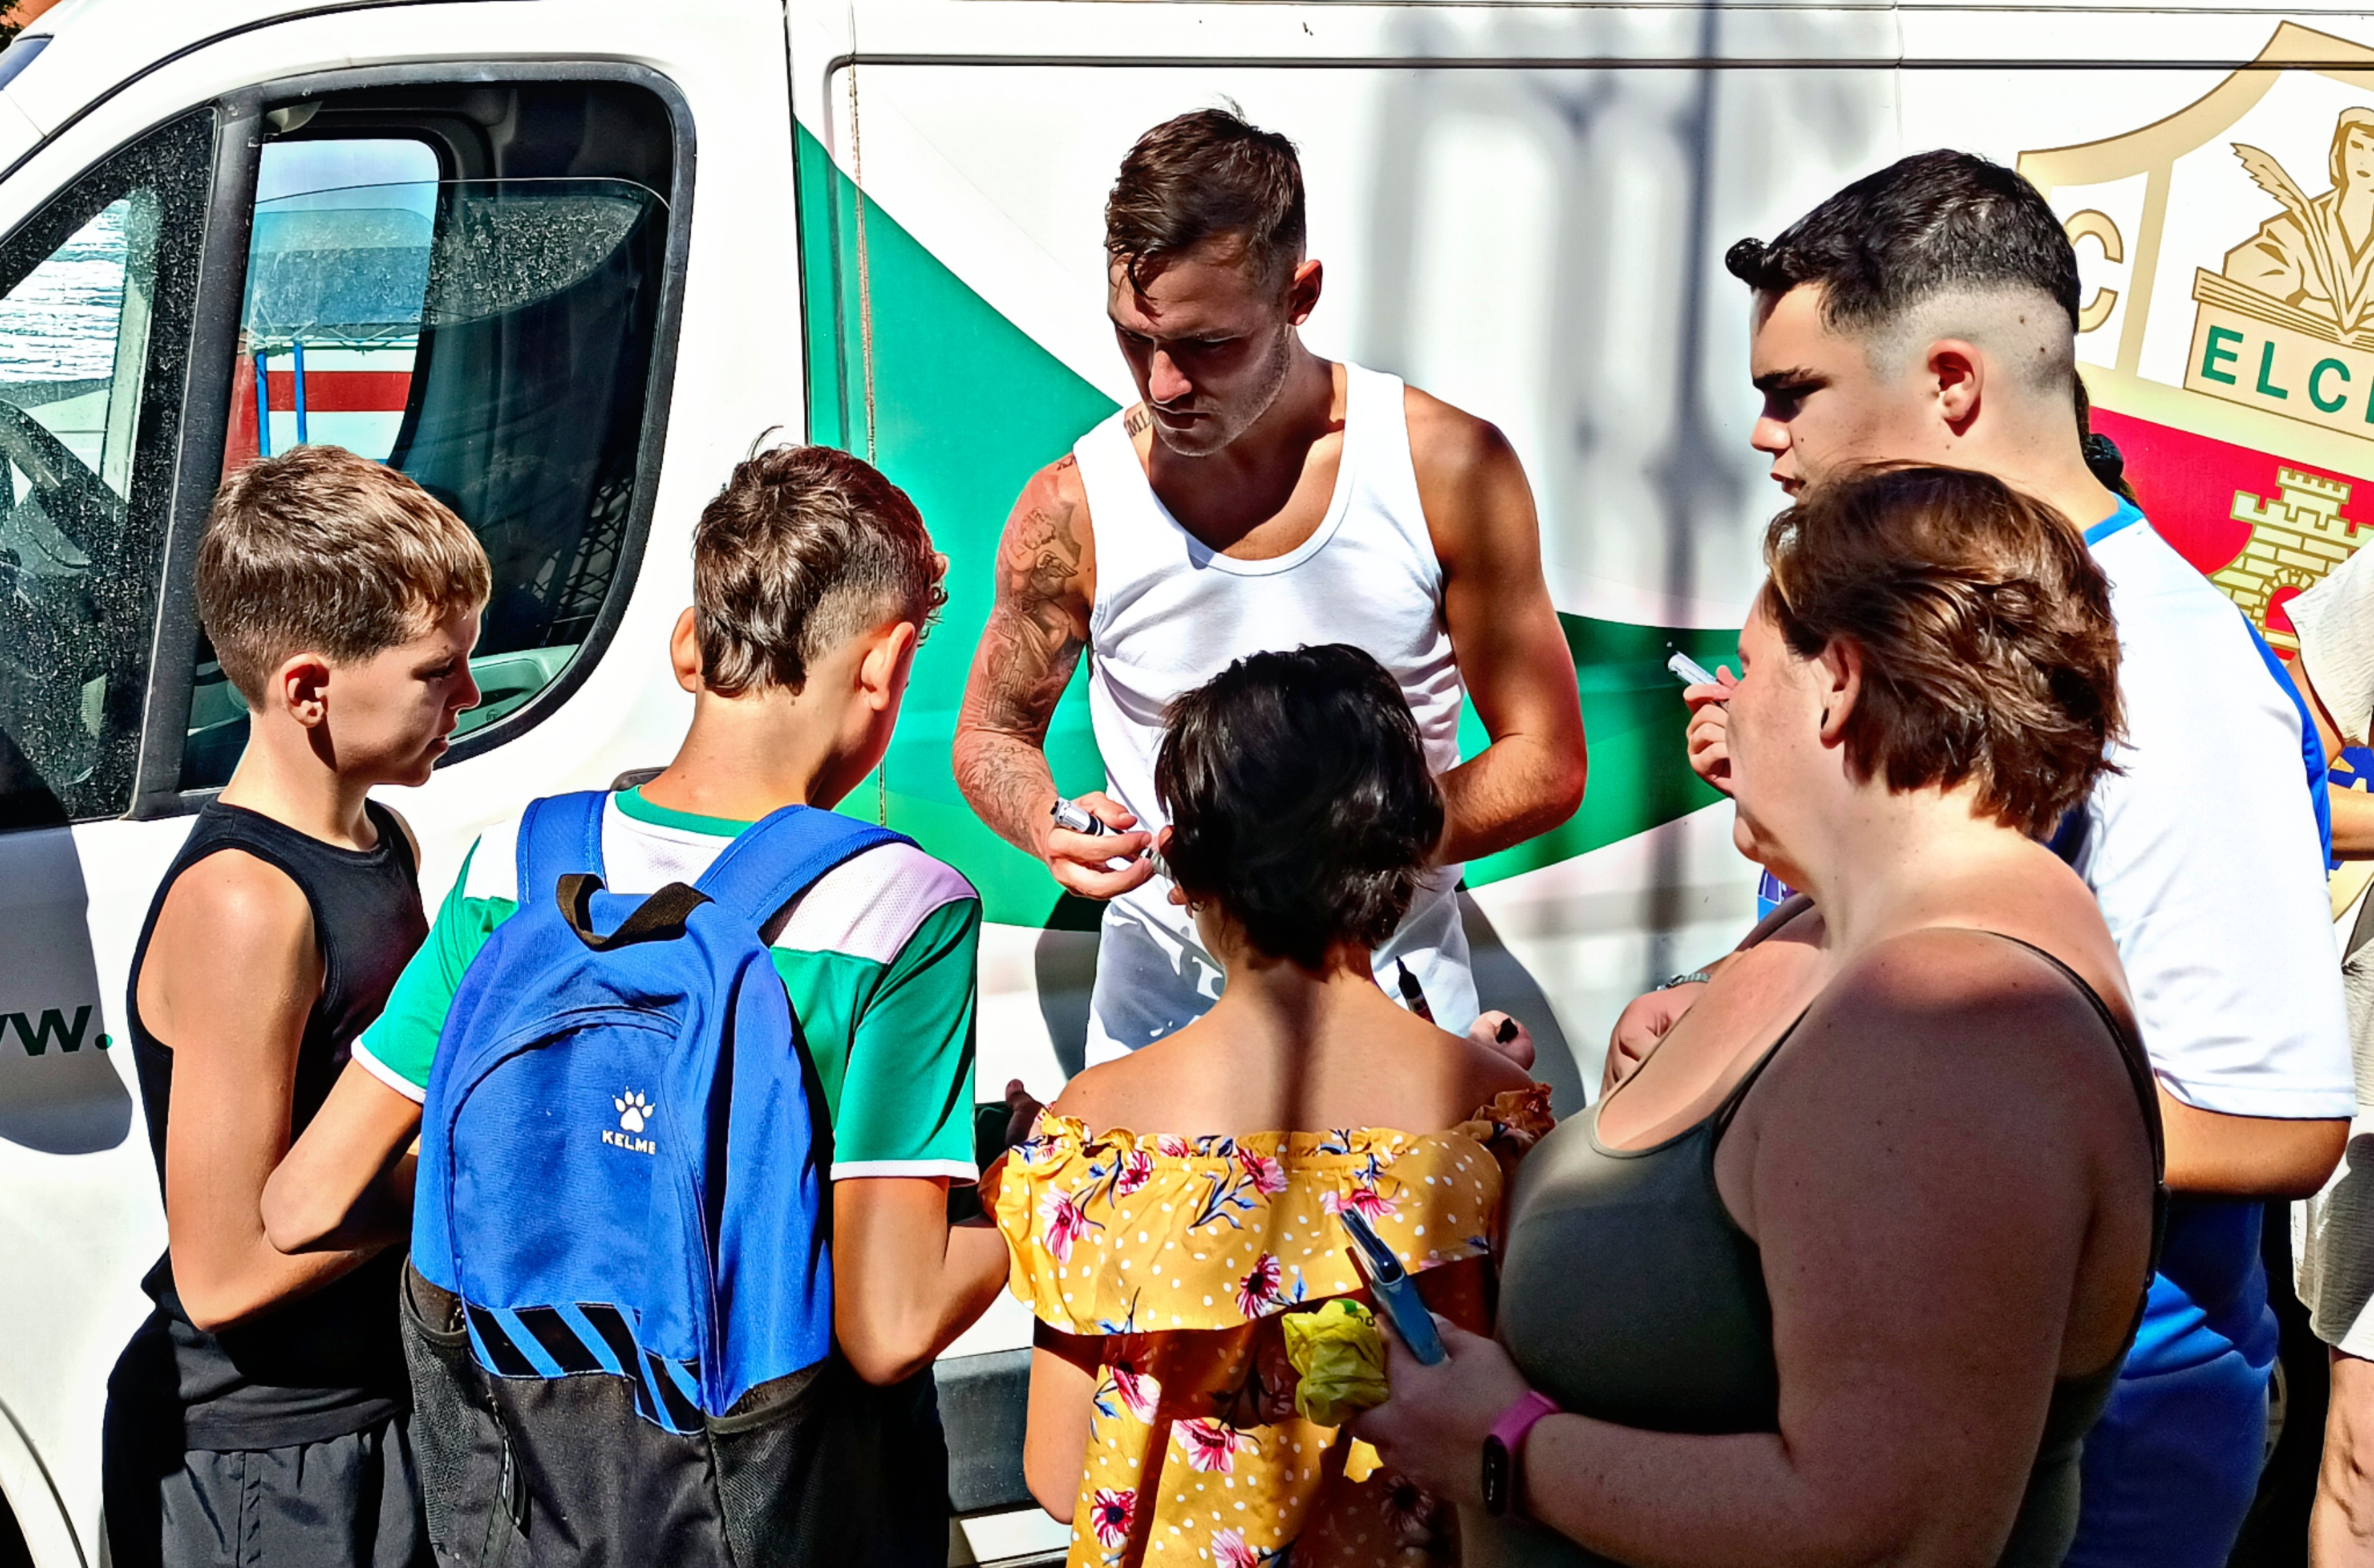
[(1046, 574)]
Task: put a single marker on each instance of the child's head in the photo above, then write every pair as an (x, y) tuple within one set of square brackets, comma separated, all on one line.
[(812, 577), (1302, 808), (342, 599)]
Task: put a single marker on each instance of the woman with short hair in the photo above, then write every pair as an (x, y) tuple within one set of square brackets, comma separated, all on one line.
[(1845, 1269), (1174, 1204)]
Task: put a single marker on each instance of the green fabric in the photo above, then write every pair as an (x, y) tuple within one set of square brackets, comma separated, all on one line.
[(632, 802), (403, 1038), (892, 1044)]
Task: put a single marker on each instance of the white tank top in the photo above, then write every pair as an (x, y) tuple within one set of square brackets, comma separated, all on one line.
[(1171, 613)]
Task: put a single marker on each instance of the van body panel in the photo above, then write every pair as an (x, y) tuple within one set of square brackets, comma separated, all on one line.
[(894, 245)]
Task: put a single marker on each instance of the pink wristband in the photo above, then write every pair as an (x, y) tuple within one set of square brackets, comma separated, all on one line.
[(1505, 1444)]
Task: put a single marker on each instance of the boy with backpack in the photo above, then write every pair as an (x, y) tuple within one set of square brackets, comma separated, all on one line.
[(654, 1202), (258, 1415)]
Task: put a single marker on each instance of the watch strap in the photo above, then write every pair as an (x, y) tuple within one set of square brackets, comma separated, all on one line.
[(1505, 1445)]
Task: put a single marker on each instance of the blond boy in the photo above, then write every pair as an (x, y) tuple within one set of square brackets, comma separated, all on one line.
[(259, 1413)]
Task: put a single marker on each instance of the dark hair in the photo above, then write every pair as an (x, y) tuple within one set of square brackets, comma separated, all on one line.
[(1299, 799), (805, 548), (1989, 650), (1924, 225), (320, 549), (1205, 176), (2103, 458)]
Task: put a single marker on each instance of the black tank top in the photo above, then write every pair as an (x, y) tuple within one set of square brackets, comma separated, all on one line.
[(329, 1363), (1628, 1293)]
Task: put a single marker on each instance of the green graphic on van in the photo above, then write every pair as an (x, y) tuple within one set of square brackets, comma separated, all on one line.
[(966, 407)]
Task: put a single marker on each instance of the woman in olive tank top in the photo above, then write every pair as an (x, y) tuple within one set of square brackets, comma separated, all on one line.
[(1846, 1269)]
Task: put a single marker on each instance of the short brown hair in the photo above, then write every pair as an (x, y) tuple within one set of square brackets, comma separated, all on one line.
[(1988, 649), (1206, 176), (316, 548), (805, 548)]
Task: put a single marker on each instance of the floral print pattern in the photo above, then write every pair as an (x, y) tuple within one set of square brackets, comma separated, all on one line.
[(1110, 1515), (1180, 1255)]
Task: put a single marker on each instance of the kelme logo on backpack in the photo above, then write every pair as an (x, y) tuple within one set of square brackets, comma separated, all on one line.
[(620, 1219), (633, 1112)]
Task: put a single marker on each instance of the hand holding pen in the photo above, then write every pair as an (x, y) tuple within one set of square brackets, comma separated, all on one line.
[(1094, 846), (1709, 737)]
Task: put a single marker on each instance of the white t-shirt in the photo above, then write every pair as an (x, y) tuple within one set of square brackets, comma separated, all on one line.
[(2204, 852)]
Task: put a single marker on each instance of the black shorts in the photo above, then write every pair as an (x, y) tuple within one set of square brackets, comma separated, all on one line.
[(351, 1502)]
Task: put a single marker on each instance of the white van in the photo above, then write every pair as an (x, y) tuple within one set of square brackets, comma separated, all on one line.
[(565, 260)]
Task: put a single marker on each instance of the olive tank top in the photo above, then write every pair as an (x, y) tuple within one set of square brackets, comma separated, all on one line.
[(1627, 1293), (328, 1362)]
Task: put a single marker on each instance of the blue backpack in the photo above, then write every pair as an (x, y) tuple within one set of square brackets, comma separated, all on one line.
[(619, 1309)]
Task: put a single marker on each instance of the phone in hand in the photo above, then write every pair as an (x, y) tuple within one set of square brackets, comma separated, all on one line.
[(1397, 1294)]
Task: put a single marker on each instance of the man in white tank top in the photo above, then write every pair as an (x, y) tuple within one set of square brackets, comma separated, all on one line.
[(1259, 497)]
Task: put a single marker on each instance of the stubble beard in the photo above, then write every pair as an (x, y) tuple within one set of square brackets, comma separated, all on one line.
[(1221, 427)]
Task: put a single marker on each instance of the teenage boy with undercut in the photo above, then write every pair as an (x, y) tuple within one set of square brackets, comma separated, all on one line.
[(259, 1414), (812, 581), (1927, 313)]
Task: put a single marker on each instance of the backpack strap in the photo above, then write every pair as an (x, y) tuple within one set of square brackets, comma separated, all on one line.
[(558, 835), (784, 854)]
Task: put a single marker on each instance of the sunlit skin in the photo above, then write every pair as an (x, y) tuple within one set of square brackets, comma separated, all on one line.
[(1212, 345), (1826, 409), (327, 733), (233, 968), (1945, 1175), (1285, 1047), (1241, 430)]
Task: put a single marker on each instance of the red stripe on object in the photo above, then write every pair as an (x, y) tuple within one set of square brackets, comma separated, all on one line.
[(2187, 484), (238, 440), (339, 392)]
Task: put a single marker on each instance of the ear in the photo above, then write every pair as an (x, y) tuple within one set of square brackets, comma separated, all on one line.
[(1837, 679), (684, 650), (882, 674), (301, 688), (1302, 291), (1958, 371)]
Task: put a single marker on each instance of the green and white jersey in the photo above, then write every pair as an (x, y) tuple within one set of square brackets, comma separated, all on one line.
[(878, 959)]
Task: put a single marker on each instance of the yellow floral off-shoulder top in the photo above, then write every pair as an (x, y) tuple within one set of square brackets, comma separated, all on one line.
[(1182, 1255)]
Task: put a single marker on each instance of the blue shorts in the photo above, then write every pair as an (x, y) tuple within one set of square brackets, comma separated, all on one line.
[(2170, 1471)]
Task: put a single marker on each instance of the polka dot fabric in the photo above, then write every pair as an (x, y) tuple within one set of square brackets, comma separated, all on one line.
[(1181, 1254)]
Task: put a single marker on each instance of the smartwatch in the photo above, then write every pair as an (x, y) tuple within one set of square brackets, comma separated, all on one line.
[(1502, 1447)]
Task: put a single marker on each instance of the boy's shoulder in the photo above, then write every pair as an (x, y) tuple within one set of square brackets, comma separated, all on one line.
[(236, 895), (872, 905), (491, 868)]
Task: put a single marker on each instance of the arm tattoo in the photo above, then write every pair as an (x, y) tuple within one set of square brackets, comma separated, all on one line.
[(1134, 422), (1027, 653)]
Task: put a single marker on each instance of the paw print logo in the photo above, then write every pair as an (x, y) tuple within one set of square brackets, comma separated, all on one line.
[(633, 1110)]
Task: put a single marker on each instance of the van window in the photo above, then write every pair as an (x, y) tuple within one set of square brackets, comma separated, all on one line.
[(95, 308), (490, 334)]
